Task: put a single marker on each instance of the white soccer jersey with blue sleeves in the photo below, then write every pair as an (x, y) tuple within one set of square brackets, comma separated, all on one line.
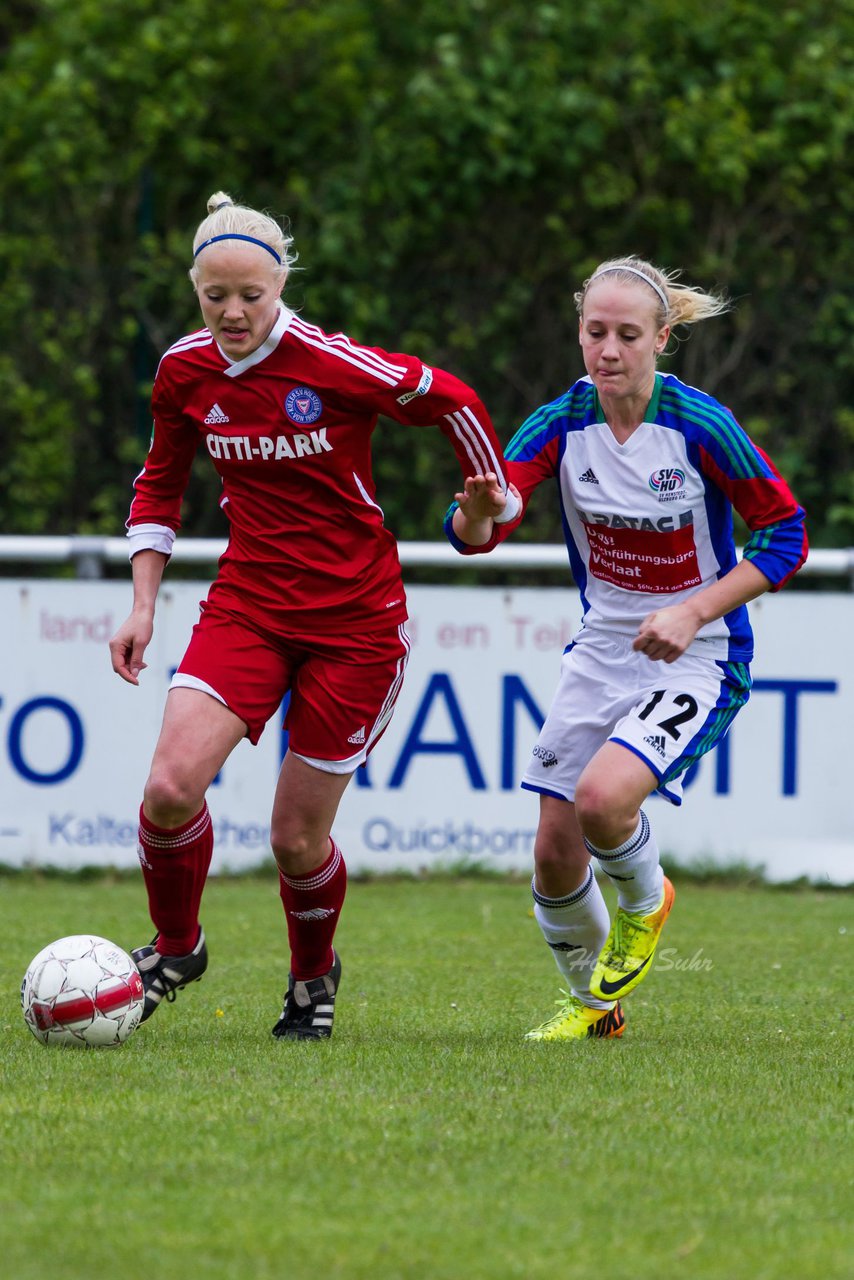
[(649, 522)]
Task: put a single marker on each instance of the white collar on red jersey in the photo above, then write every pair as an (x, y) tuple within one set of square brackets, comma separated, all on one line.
[(234, 368)]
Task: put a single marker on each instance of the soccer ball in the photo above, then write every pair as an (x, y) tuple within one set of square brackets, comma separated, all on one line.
[(83, 991)]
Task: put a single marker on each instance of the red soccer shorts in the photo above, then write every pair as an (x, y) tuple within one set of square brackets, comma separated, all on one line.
[(343, 688)]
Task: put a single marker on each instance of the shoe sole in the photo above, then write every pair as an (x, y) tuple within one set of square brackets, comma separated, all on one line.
[(303, 1035)]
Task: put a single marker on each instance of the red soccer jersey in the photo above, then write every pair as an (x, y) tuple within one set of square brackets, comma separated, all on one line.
[(289, 430)]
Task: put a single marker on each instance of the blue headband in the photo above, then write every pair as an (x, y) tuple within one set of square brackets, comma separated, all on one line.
[(232, 235)]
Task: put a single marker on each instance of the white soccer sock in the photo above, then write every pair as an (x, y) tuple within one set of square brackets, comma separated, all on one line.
[(575, 927), (635, 869)]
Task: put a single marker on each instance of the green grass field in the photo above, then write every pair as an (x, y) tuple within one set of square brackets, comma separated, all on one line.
[(428, 1139)]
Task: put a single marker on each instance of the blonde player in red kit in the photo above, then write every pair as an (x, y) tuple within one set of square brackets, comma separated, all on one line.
[(308, 596)]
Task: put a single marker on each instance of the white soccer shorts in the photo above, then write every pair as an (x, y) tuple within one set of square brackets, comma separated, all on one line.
[(669, 714)]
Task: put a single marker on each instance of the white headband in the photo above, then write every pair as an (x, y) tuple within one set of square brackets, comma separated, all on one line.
[(603, 271)]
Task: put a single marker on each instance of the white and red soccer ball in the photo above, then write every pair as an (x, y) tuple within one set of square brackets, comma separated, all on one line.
[(84, 991)]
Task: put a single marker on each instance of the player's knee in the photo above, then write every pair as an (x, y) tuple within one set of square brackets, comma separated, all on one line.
[(170, 800), (296, 853), (559, 852), (598, 805)]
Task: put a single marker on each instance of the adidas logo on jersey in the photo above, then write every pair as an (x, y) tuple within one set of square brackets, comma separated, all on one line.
[(358, 737), (216, 417), (589, 477), (657, 742)]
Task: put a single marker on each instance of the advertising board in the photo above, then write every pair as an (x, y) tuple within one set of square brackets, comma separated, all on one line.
[(442, 787)]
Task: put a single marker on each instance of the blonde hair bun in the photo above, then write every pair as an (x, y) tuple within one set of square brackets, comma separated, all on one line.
[(217, 200)]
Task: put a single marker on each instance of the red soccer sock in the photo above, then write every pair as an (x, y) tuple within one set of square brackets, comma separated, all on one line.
[(312, 906), (175, 862)]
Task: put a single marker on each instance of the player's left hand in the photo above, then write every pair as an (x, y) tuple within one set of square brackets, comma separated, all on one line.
[(665, 634), (482, 497)]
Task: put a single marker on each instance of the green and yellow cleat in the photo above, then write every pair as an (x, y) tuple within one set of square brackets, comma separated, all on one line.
[(628, 949), (577, 1021)]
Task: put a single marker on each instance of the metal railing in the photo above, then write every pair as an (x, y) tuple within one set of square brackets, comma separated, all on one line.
[(89, 555)]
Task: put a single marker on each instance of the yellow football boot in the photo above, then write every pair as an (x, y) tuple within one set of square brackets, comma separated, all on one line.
[(629, 948), (577, 1021)]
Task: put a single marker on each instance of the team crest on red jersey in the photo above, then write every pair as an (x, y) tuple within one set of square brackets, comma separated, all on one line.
[(303, 405)]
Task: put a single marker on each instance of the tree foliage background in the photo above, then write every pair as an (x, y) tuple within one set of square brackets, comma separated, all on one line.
[(451, 171)]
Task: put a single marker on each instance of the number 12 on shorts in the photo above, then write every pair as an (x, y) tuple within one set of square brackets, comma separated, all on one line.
[(687, 710)]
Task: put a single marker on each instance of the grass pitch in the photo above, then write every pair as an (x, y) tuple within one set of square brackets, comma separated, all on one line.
[(428, 1140)]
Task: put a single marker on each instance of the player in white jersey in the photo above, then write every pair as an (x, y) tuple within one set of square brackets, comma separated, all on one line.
[(308, 599), (648, 472)]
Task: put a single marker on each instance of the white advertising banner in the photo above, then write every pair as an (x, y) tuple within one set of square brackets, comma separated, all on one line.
[(442, 787)]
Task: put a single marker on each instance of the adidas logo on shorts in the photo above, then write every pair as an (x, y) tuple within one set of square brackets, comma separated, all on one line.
[(358, 737), (216, 417), (657, 742)]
